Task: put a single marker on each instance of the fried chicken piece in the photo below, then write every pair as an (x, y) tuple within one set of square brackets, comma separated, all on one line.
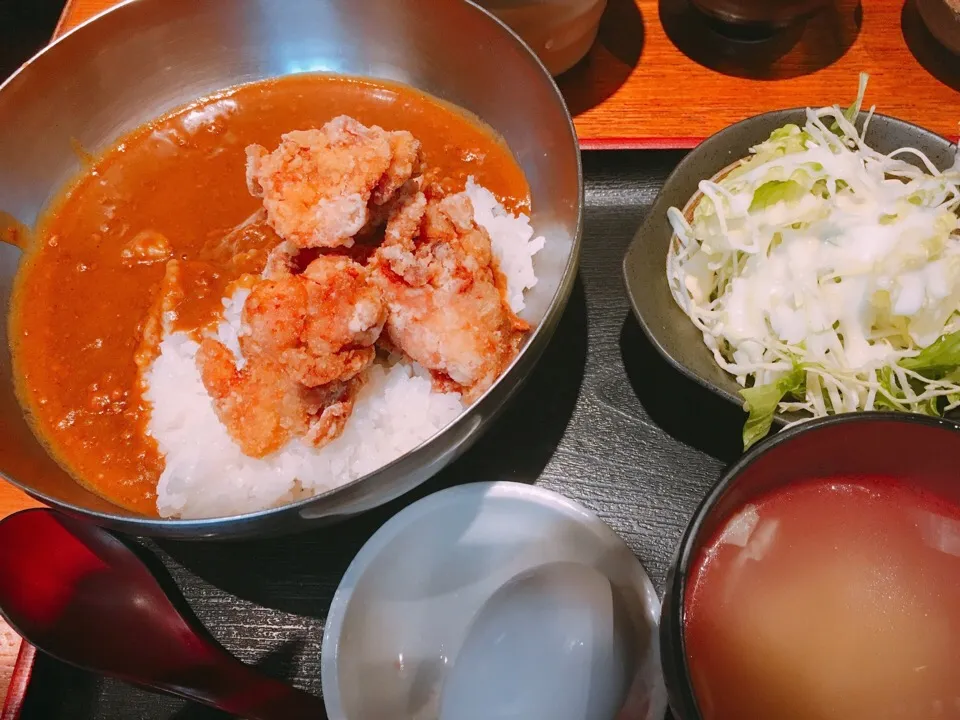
[(439, 280), (371, 235), (318, 186), (280, 261), (320, 325), (345, 308), (406, 163), (259, 405), (337, 400), (274, 314), (309, 338), (159, 318), (263, 408), (146, 247), (243, 249), (345, 316), (404, 222)]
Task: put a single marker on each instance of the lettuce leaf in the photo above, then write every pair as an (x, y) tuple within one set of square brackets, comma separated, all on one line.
[(761, 403), (774, 191), (786, 140), (881, 402), (953, 399), (932, 406), (938, 359), (785, 132), (851, 112)]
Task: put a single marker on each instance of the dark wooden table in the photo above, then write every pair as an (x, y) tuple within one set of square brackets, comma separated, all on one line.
[(603, 420)]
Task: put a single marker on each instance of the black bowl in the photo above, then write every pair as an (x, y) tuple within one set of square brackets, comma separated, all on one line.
[(760, 13), (645, 264), (918, 447)]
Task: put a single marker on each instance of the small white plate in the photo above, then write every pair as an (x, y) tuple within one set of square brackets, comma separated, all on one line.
[(406, 602)]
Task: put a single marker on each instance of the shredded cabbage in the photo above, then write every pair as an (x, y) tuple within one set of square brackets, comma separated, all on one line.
[(824, 275)]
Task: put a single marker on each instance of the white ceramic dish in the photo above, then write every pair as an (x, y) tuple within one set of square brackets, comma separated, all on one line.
[(403, 608)]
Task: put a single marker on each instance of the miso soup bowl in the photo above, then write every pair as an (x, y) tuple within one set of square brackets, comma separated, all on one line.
[(145, 57), (917, 448)]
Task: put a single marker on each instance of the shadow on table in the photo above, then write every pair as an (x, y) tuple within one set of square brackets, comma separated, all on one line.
[(280, 663), (46, 704), (801, 49), (611, 60), (678, 405), (299, 574)]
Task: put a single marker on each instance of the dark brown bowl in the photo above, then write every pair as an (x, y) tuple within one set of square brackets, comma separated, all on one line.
[(763, 13), (942, 18), (645, 264)]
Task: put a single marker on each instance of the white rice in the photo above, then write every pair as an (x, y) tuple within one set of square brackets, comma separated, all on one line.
[(206, 474), (513, 242), (231, 327)]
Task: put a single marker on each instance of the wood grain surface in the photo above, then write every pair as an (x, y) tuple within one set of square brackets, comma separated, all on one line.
[(19, 683), (11, 500), (659, 76), (79, 11), (602, 419), (9, 651)]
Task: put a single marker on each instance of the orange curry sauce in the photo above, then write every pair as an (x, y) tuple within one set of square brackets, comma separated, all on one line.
[(78, 308)]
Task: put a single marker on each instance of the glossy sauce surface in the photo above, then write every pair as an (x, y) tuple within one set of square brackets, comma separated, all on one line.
[(79, 305), (834, 599)]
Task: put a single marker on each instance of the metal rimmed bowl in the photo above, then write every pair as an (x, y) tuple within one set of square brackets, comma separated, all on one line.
[(916, 448), (669, 329), (412, 591), (145, 57)]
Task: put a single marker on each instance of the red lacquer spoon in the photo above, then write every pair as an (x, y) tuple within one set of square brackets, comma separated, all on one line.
[(76, 592)]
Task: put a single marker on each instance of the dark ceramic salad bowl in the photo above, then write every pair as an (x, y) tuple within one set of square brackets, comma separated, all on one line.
[(644, 268)]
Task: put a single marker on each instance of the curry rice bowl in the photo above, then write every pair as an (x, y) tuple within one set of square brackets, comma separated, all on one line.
[(207, 475)]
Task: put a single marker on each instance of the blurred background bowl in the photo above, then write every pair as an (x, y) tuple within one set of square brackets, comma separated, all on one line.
[(942, 18), (145, 57), (760, 13), (560, 32)]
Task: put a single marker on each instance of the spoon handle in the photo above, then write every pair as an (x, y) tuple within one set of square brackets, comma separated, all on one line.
[(240, 690)]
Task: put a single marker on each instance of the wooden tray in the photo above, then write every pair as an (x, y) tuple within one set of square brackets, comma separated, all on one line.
[(16, 659), (638, 89), (16, 691)]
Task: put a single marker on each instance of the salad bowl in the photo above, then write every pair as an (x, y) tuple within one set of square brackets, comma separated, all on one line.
[(666, 325)]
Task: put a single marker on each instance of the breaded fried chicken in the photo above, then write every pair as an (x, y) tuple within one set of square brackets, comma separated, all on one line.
[(439, 282), (320, 186)]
